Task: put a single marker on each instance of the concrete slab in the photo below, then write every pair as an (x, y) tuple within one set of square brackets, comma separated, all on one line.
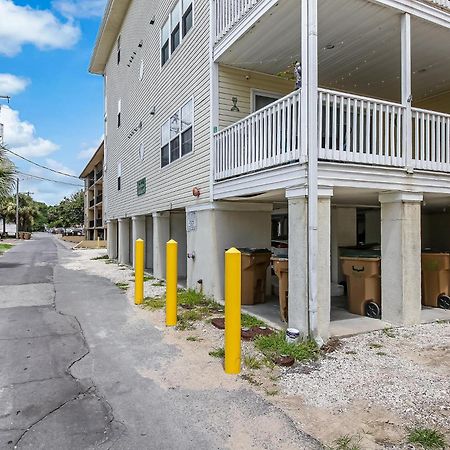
[(34, 294), (434, 314)]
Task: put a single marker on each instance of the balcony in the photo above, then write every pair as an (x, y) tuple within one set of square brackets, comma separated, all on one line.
[(91, 203), (98, 174), (91, 223), (99, 199), (351, 129)]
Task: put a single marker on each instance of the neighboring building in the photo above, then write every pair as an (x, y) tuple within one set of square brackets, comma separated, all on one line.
[(94, 216), (207, 138)]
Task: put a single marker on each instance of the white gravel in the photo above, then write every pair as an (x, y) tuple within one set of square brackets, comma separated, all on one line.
[(408, 373)]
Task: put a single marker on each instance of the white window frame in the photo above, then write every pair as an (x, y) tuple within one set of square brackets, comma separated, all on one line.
[(141, 70), (183, 6), (118, 49), (119, 113), (179, 134), (119, 175), (255, 92)]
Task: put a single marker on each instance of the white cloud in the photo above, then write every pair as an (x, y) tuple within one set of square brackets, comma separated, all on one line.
[(80, 8), (20, 136), (11, 84), (56, 165), (88, 152), (21, 25)]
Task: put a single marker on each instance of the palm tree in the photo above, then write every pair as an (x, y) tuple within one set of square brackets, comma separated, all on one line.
[(7, 175)]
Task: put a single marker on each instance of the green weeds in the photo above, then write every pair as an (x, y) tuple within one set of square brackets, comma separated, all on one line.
[(153, 303), (123, 286), (427, 438), (217, 353)]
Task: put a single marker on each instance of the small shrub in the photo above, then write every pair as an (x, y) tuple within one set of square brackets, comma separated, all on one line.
[(252, 362), (154, 303), (248, 321), (98, 258), (217, 353), (427, 438), (275, 345)]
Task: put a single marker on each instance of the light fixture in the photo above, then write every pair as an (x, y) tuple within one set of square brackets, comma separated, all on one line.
[(234, 108), (141, 43), (152, 20), (153, 111), (329, 46)]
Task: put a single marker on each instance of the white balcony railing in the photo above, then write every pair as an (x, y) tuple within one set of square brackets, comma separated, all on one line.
[(360, 129), (229, 12), (351, 128), (267, 138), (431, 140), (441, 3)]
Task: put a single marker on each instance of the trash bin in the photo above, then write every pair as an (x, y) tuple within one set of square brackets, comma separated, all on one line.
[(280, 266), (254, 264), (436, 280), (26, 235), (363, 275)]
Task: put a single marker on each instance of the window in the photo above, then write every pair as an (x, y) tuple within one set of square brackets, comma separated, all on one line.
[(262, 99), (175, 28), (118, 50), (141, 70), (141, 151), (119, 175), (119, 110), (177, 134), (187, 16)]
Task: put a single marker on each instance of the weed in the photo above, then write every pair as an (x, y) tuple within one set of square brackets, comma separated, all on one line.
[(274, 378), (159, 283), (122, 285), (217, 353), (275, 345), (148, 278), (442, 322), (110, 261), (248, 377), (389, 332), (381, 354), (154, 303), (427, 438), (98, 258), (191, 315), (272, 392), (189, 297), (248, 321), (375, 345), (346, 443), (351, 352), (269, 364), (194, 338), (252, 362)]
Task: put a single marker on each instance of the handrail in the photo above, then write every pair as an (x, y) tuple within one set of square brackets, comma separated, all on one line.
[(429, 111), (360, 97)]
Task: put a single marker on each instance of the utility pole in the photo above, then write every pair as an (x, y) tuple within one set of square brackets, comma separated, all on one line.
[(17, 208)]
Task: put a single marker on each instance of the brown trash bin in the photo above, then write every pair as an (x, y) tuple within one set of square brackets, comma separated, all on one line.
[(26, 235), (281, 268), (363, 285), (436, 280), (254, 264)]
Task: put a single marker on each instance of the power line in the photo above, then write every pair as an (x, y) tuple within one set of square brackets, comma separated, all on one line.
[(48, 179), (40, 165)]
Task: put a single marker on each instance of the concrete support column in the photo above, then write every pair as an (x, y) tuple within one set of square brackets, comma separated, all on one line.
[(112, 239), (400, 257), (305, 314), (138, 232), (124, 241), (161, 234)]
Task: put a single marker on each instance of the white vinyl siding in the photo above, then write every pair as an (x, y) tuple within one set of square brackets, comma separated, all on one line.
[(167, 90)]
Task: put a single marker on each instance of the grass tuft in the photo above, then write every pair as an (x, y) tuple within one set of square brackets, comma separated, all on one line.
[(122, 285), (98, 258), (194, 339), (217, 353), (275, 345), (5, 247), (389, 332), (427, 438), (153, 303), (252, 362), (346, 443), (248, 321)]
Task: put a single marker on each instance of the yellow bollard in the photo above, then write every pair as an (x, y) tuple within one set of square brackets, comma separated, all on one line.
[(139, 272), (171, 282), (98, 242), (232, 311)]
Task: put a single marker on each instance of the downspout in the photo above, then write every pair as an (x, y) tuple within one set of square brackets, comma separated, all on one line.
[(310, 86)]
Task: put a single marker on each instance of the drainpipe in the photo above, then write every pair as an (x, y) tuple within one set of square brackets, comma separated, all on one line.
[(310, 86)]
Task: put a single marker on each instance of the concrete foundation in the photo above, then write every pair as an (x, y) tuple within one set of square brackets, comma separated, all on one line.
[(124, 241), (400, 257), (138, 232)]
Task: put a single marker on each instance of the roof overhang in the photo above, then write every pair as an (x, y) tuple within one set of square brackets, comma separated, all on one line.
[(109, 29), (96, 158)]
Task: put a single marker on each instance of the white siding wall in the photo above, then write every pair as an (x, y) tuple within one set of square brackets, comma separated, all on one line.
[(239, 83), (184, 76)]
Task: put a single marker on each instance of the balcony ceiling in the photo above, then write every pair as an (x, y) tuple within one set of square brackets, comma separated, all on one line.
[(359, 48)]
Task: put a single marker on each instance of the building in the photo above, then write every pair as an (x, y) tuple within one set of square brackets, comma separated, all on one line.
[(208, 137), (94, 213)]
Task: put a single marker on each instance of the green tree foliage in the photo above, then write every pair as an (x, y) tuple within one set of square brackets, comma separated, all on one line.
[(69, 212), (7, 173), (28, 211)]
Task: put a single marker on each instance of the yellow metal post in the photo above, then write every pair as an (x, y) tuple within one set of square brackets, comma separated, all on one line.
[(171, 282), (139, 272), (98, 242), (232, 311)]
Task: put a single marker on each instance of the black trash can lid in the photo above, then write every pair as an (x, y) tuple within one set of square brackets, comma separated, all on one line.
[(252, 251)]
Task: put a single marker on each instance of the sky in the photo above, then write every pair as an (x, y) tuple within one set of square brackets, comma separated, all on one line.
[(55, 116)]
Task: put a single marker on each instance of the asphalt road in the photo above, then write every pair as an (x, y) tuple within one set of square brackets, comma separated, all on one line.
[(70, 352)]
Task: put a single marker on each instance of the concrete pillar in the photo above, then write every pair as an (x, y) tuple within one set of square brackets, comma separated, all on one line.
[(149, 243), (124, 241), (161, 234), (400, 257), (112, 239), (138, 232), (301, 312)]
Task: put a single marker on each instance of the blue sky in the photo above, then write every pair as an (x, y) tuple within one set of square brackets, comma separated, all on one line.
[(56, 112)]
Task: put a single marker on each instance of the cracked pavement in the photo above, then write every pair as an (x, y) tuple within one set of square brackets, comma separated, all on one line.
[(74, 354)]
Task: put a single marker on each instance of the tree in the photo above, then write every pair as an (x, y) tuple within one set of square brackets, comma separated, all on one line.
[(69, 212), (7, 174), (28, 211)]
